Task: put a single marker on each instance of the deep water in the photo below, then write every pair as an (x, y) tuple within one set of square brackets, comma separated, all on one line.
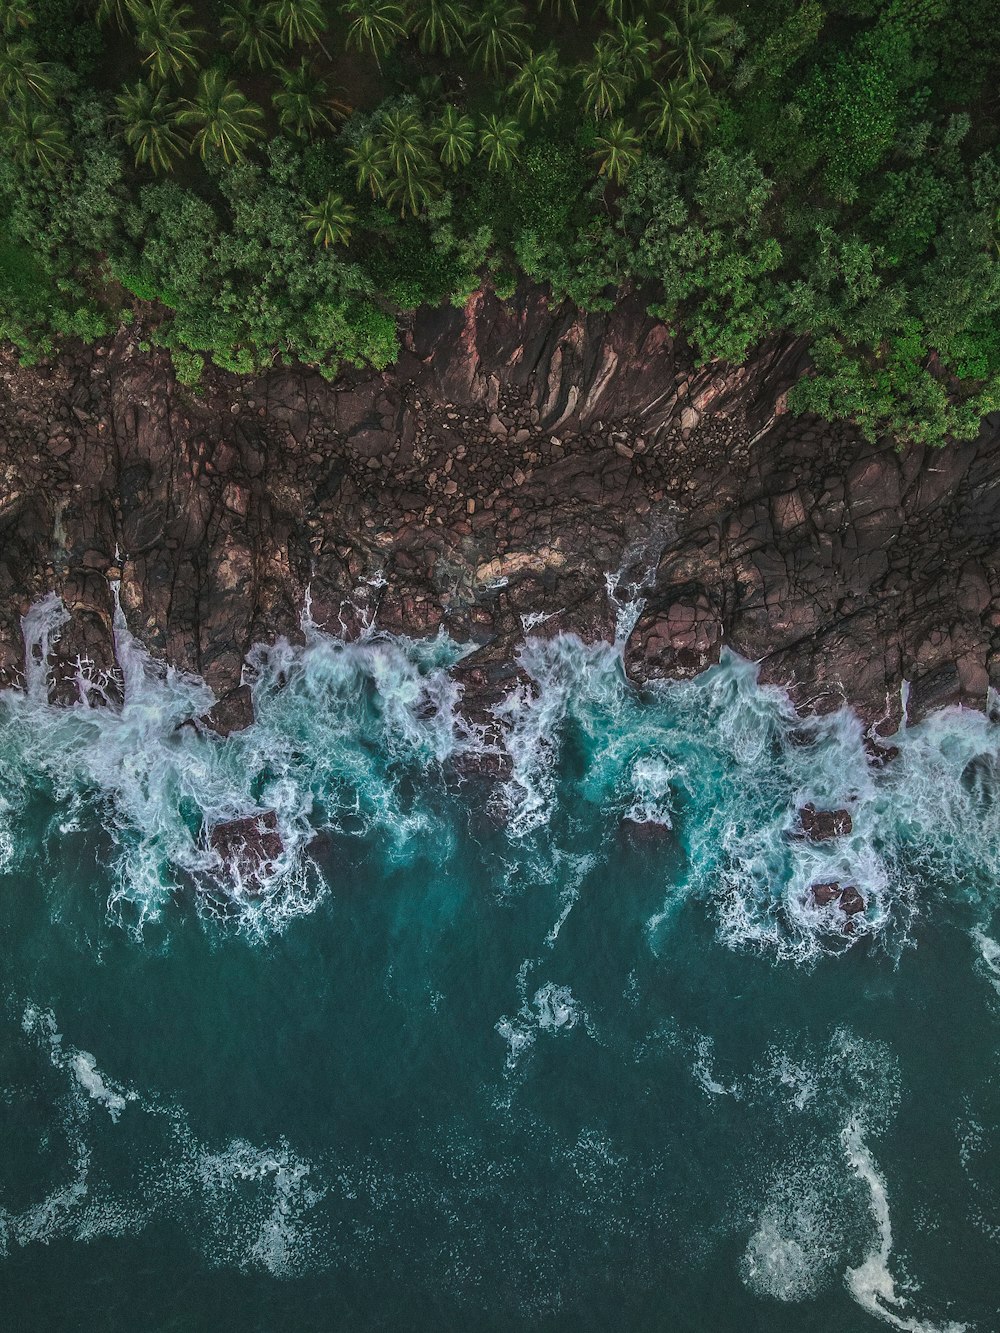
[(492, 1057)]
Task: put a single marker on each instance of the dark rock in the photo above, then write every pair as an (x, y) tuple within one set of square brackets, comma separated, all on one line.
[(841, 567), (879, 755), (825, 894), (233, 712), (248, 845), (822, 825), (851, 901), (646, 832)]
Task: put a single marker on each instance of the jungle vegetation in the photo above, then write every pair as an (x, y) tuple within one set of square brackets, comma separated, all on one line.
[(278, 179)]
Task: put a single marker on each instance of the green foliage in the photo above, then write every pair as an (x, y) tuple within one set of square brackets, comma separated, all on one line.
[(150, 126), (170, 46), (224, 120), (841, 182)]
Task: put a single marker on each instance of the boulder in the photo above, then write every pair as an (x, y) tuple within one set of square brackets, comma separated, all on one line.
[(248, 845), (822, 825), (233, 712), (825, 894)]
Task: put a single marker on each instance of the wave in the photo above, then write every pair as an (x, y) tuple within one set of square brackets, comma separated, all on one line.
[(355, 740)]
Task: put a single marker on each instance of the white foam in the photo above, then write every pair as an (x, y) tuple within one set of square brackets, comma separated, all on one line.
[(989, 958), (257, 1204), (871, 1283)]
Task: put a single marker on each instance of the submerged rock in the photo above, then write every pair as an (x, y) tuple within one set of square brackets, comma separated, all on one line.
[(645, 832), (822, 825)]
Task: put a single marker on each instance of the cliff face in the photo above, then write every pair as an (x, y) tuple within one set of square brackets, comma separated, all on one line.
[(513, 458)]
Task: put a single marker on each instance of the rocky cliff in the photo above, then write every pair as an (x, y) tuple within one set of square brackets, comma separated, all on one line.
[(514, 457)]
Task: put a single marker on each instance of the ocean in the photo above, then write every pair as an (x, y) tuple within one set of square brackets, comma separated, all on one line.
[(573, 1048)]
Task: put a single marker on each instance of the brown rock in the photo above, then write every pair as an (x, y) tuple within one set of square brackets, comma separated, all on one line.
[(233, 712), (851, 901), (822, 825), (825, 894), (248, 845)]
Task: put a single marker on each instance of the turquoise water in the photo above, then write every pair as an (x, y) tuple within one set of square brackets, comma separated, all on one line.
[(479, 1057)]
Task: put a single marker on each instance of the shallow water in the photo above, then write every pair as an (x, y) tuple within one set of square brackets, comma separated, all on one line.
[(481, 1058)]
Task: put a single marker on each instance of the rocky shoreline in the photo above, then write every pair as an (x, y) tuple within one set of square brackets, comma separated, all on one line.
[(513, 459)]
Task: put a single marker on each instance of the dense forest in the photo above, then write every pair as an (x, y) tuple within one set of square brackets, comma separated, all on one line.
[(279, 180)]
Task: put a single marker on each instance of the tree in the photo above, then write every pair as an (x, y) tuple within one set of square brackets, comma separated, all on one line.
[(699, 40), (453, 135), (498, 35), (368, 160), (412, 172), (150, 126), (35, 137), (168, 43), (225, 119), (374, 25), (605, 83), (302, 101), (617, 149), (500, 142), (556, 7), (16, 16), (298, 21), (23, 77), (330, 220), (118, 11), (679, 109), (440, 25), (538, 84), (250, 32), (634, 47)]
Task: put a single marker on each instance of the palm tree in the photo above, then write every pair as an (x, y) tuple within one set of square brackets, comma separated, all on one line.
[(699, 39), (298, 21), (619, 10), (605, 83), (23, 77), (617, 149), (440, 25), (499, 142), (330, 220), (374, 25), (635, 49), (168, 43), (539, 82), (249, 31), (413, 172), (453, 135), (225, 119), (556, 7), (369, 161), (301, 103), (120, 11), (498, 34), (15, 17), (678, 110), (35, 137), (150, 120)]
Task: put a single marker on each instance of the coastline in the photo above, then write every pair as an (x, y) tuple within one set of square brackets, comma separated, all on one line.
[(515, 464)]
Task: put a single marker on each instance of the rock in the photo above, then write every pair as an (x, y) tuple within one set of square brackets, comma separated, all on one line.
[(851, 901), (233, 712), (646, 832), (879, 755), (825, 894), (248, 846), (822, 825)]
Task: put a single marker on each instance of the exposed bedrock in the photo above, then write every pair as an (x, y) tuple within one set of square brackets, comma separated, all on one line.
[(513, 458)]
